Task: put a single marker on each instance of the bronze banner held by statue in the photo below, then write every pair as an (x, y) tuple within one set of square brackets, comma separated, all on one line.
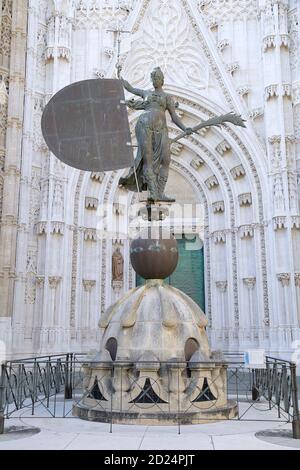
[(86, 126)]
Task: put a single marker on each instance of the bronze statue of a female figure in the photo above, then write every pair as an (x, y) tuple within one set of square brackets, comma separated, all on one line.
[(154, 154)]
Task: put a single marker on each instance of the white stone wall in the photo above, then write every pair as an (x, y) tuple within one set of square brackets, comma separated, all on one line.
[(218, 56)]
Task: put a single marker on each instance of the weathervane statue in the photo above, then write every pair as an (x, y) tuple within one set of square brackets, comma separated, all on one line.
[(86, 126), (151, 168)]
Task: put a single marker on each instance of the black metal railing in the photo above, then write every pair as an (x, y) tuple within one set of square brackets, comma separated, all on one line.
[(53, 386)]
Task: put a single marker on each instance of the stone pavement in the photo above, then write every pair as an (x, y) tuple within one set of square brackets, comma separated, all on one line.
[(74, 434)]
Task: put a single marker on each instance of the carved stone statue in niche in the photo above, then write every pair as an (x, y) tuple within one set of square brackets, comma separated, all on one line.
[(117, 266)]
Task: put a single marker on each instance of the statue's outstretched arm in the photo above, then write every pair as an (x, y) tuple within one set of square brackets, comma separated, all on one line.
[(174, 116), (131, 89)]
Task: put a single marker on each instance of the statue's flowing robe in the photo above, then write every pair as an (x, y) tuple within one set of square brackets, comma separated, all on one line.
[(153, 141)]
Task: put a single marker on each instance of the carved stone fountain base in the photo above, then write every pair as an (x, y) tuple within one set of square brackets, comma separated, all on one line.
[(155, 365)]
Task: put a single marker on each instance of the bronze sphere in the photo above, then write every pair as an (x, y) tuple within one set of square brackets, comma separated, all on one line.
[(154, 259)]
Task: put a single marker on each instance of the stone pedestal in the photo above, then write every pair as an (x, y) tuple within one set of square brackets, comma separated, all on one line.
[(155, 365)]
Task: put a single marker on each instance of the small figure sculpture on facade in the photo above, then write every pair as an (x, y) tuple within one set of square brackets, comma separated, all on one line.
[(117, 266)]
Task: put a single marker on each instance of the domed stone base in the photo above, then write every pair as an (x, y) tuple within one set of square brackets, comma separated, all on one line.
[(155, 365), (229, 411)]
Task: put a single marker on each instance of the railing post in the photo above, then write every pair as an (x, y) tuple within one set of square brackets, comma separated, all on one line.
[(296, 414), (2, 397), (255, 390), (68, 381)]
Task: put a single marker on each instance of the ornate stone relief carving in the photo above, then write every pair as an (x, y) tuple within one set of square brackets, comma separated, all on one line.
[(35, 195), (91, 203), (232, 67), (243, 90), (90, 234), (238, 172), (256, 113), (176, 149), (41, 228), (54, 281), (37, 136), (212, 182), (5, 47), (297, 279), (218, 207), (41, 57), (293, 191), (223, 44), (222, 286), (284, 278), (271, 91), (278, 194), (245, 199), (177, 50), (287, 90), (197, 163), (58, 37), (31, 270), (269, 42), (96, 14), (219, 236), (88, 285), (223, 147), (246, 231), (40, 281), (99, 177), (3, 92), (58, 199), (293, 28), (250, 282), (57, 228), (5, 37), (228, 9), (296, 222), (280, 223)]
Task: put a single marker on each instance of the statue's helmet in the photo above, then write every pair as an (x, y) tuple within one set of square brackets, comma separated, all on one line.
[(158, 73)]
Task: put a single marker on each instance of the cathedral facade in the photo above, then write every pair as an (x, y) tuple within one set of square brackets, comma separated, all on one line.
[(64, 233)]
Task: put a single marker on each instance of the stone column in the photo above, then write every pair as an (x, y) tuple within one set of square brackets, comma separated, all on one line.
[(280, 140), (53, 317), (284, 279), (297, 285), (87, 321), (222, 287), (10, 207), (38, 317), (250, 283)]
